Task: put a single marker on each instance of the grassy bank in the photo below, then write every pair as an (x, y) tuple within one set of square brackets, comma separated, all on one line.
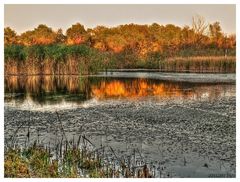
[(60, 59)]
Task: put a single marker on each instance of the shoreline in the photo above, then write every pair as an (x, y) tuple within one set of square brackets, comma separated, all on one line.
[(168, 76)]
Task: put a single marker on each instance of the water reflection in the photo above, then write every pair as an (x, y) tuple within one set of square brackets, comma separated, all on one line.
[(138, 88), (74, 89)]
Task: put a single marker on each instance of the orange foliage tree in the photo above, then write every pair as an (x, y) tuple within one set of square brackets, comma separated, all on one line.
[(141, 40)]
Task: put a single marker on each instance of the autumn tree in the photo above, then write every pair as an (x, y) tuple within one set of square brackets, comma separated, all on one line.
[(187, 37), (42, 35), (60, 38), (216, 34), (199, 27), (231, 41), (10, 36), (215, 30), (116, 43), (76, 34), (26, 38), (98, 37), (139, 40)]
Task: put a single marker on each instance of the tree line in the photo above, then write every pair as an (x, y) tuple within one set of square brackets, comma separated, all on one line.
[(124, 46)]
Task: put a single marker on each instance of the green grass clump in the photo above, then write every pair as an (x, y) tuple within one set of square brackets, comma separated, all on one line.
[(15, 52)]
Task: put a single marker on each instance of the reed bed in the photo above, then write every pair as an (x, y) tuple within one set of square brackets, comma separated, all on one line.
[(199, 64), (83, 60), (52, 60)]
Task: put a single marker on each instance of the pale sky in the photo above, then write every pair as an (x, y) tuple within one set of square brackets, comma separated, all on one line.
[(26, 17)]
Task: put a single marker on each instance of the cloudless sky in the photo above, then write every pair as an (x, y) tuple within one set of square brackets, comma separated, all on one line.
[(26, 17)]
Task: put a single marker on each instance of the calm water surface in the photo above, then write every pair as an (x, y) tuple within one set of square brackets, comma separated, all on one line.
[(49, 90)]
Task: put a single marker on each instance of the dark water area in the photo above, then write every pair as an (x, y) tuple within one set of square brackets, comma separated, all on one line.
[(74, 89)]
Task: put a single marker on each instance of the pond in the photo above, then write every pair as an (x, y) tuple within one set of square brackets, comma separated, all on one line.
[(184, 123), (42, 91)]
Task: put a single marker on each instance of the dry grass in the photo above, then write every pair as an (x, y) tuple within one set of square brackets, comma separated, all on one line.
[(200, 64)]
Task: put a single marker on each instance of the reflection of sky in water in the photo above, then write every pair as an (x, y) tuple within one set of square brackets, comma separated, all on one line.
[(51, 93)]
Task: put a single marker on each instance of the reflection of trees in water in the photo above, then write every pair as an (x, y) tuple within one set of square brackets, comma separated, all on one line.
[(164, 89), (48, 88), (77, 89)]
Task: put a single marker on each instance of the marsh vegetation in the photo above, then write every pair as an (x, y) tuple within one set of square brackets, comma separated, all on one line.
[(200, 48)]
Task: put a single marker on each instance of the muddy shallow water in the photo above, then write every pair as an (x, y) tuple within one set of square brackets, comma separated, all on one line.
[(187, 128)]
